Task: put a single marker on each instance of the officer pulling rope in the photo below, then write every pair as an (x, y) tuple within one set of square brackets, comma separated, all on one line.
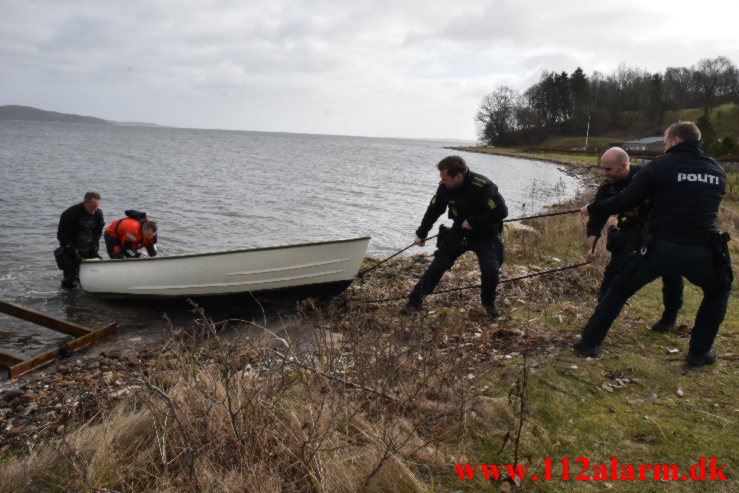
[(370, 269)]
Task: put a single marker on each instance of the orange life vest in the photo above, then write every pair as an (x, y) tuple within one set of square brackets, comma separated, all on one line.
[(128, 232)]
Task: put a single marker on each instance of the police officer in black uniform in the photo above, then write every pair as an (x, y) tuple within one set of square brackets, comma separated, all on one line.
[(684, 188), (80, 228), (477, 210), (625, 238)]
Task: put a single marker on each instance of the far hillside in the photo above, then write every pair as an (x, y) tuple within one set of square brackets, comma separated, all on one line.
[(628, 104), (720, 136), (30, 114), (724, 118)]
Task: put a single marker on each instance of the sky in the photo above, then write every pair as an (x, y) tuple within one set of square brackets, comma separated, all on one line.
[(409, 69)]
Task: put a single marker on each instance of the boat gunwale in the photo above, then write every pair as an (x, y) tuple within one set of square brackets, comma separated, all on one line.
[(225, 252)]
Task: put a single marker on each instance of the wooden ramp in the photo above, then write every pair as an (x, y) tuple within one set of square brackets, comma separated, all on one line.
[(83, 336)]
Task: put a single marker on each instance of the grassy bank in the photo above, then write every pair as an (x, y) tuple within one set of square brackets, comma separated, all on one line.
[(373, 401), (570, 159), (724, 118)]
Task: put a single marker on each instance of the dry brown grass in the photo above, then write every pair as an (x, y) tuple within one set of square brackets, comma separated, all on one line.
[(368, 401), (363, 411)]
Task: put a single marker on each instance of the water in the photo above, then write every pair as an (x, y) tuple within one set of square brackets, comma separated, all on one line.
[(215, 190)]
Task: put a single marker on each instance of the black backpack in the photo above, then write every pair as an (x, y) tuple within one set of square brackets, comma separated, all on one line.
[(139, 216)]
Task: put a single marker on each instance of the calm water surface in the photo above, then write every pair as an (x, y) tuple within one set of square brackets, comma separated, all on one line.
[(215, 190)]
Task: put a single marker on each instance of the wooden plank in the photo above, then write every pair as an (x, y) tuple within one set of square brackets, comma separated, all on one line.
[(88, 339), (73, 345), (8, 359), (44, 320), (30, 364)]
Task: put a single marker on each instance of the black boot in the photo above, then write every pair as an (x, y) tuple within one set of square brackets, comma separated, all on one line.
[(492, 311), (68, 283), (664, 324), (584, 350), (411, 308), (707, 358)]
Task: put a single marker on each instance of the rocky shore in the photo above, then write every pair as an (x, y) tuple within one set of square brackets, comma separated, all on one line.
[(42, 404)]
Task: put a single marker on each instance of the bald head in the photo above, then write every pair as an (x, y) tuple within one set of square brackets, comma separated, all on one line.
[(615, 164)]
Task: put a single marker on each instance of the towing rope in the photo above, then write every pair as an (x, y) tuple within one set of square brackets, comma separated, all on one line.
[(541, 215), (527, 276), (361, 274)]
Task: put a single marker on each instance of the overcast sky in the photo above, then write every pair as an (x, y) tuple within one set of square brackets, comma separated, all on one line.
[(415, 68)]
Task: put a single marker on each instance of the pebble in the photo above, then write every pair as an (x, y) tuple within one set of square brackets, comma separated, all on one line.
[(12, 394), (17, 429), (31, 412)]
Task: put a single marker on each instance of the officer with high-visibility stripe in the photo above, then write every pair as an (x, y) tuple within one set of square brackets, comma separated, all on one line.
[(684, 188), (124, 237), (477, 209)]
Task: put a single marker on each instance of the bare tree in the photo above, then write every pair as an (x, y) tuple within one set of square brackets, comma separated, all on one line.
[(715, 78), (678, 87), (496, 116)]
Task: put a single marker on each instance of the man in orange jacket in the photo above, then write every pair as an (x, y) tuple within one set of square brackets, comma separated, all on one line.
[(125, 236)]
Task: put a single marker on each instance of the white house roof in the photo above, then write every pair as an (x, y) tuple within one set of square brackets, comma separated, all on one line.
[(646, 140)]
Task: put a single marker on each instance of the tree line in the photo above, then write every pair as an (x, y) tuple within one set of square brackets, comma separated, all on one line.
[(627, 99)]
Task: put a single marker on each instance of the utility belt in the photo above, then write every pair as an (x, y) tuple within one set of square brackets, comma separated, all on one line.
[(708, 240), (466, 234), (704, 240), (717, 242), (618, 239)]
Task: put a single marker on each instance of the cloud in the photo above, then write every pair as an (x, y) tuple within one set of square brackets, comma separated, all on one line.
[(405, 68)]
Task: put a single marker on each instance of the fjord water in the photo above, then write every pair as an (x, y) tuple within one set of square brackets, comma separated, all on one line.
[(216, 190)]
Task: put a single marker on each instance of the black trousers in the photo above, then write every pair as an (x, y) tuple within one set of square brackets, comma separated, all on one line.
[(624, 242), (490, 254), (69, 261), (696, 263)]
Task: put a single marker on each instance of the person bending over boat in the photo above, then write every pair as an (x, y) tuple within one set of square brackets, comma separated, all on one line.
[(124, 237), (80, 227), (477, 209)]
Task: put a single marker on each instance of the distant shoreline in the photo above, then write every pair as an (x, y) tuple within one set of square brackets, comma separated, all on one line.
[(30, 114), (17, 113), (579, 162)]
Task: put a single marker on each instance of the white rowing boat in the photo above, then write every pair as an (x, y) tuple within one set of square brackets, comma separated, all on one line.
[(328, 266)]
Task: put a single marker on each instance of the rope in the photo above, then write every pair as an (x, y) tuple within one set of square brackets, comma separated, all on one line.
[(527, 276), (361, 274), (541, 215)]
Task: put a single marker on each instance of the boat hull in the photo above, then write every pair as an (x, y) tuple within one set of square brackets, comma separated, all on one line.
[(325, 267)]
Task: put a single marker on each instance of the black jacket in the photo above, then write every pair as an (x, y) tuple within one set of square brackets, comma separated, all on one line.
[(477, 200), (607, 190), (79, 229), (684, 188)]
